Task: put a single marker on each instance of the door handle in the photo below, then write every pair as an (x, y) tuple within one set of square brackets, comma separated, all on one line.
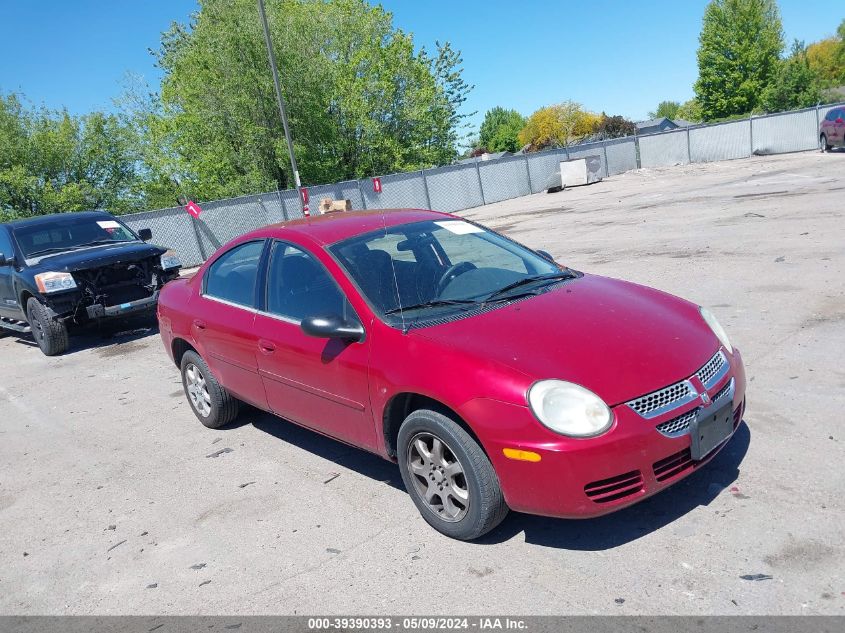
[(267, 347), (200, 325)]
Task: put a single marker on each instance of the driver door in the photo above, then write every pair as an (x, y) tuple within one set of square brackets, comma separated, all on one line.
[(319, 383), (8, 302)]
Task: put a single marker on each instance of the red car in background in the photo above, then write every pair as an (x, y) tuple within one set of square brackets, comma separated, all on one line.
[(832, 130), (495, 377)]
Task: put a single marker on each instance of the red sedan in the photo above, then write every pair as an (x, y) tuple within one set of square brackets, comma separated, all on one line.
[(495, 377)]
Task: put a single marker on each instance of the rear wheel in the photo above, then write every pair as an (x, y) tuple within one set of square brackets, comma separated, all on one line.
[(211, 403), (448, 476), (823, 144), (50, 334)]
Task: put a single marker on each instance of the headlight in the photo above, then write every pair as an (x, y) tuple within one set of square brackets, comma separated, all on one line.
[(718, 330), (569, 409), (54, 282), (169, 261)]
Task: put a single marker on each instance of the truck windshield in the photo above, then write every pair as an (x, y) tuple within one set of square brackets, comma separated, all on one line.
[(67, 234)]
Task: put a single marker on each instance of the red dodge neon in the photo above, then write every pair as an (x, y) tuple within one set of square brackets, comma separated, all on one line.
[(495, 377)]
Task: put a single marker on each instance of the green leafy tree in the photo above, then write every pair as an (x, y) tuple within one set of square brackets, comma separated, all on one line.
[(822, 59), (740, 46), (360, 100), (500, 130), (668, 109), (51, 161), (795, 84), (690, 111)]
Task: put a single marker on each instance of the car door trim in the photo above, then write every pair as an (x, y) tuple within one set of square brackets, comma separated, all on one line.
[(326, 395)]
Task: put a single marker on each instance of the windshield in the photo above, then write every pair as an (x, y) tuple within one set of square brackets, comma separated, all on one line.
[(70, 233), (439, 266)]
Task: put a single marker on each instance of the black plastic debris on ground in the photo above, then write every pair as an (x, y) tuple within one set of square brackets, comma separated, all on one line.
[(756, 577)]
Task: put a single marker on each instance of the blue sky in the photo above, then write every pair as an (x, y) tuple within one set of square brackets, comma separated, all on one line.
[(618, 56)]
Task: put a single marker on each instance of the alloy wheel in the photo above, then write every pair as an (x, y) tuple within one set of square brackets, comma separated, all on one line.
[(197, 390), (438, 477)]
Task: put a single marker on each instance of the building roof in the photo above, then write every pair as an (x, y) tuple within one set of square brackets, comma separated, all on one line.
[(483, 157)]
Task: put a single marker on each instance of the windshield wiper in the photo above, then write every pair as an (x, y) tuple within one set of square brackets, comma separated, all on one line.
[(502, 293), (434, 303), (98, 242)]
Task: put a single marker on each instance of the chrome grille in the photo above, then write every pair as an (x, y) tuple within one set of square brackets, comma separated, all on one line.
[(724, 391), (713, 369), (677, 426), (655, 403)]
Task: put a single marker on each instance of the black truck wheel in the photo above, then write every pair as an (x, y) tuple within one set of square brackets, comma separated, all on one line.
[(50, 334)]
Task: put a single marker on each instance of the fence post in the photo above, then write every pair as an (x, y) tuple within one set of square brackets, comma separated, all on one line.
[(606, 168), (425, 186), (637, 151), (818, 120), (361, 193), (282, 205), (751, 133), (528, 174), (689, 150), (480, 186)]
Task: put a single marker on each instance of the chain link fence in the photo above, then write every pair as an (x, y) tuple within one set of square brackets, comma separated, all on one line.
[(464, 186)]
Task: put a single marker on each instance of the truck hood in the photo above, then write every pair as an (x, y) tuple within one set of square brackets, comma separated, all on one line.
[(96, 257), (618, 339)]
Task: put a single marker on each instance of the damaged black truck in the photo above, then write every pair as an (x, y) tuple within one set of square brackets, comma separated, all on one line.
[(72, 269)]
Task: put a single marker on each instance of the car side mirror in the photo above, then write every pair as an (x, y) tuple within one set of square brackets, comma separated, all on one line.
[(546, 255), (6, 261), (332, 326), (145, 234)]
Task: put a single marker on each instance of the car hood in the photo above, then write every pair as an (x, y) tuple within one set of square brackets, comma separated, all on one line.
[(618, 339), (96, 256)]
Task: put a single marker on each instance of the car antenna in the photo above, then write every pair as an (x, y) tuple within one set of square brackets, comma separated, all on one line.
[(395, 280)]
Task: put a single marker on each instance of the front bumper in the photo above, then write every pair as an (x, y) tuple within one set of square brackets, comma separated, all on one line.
[(581, 478), (98, 311)]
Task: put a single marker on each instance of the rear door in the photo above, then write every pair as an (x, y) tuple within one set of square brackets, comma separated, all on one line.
[(319, 383), (838, 126), (8, 301), (224, 320)]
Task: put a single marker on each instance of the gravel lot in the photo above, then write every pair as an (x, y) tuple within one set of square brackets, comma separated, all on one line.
[(114, 499)]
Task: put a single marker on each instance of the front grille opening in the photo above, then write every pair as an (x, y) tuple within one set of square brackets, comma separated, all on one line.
[(673, 465), (677, 426), (660, 399), (614, 488), (712, 368)]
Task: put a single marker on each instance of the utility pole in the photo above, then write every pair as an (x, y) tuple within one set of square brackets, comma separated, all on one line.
[(279, 96)]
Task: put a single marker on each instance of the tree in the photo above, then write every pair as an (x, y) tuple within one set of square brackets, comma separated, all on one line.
[(558, 125), (690, 111), (822, 60), (51, 161), (740, 45), (795, 84), (360, 100), (500, 130), (615, 126), (667, 109)]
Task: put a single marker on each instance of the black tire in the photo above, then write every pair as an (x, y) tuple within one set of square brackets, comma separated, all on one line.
[(823, 144), (222, 407), (485, 507), (50, 334)]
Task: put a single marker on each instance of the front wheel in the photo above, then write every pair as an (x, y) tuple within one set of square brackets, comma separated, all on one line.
[(50, 334), (449, 477)]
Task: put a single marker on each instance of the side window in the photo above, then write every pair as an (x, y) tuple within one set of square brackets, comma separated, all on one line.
[(233, 275), (299, 286), (6, 243)]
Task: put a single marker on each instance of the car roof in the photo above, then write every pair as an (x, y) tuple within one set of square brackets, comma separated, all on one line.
[(52, 218), (340, 225)]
